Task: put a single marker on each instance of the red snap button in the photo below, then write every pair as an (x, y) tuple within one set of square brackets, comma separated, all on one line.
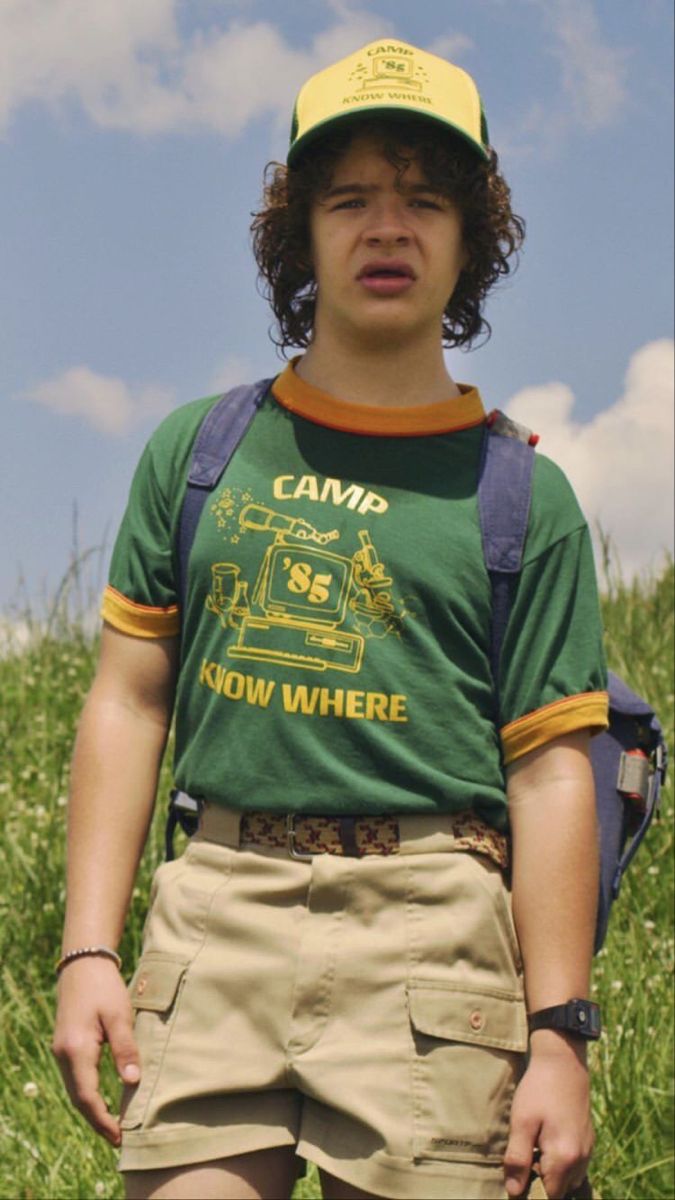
[(476, 1020)]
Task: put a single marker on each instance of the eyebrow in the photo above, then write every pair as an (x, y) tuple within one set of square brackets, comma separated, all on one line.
[(363, 189)]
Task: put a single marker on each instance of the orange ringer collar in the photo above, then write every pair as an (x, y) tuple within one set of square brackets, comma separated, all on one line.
[(446, 416)]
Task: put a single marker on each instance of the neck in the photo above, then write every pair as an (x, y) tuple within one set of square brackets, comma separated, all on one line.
[(385, 374)]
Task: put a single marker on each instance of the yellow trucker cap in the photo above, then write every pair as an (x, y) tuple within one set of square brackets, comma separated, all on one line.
[(386, 78)]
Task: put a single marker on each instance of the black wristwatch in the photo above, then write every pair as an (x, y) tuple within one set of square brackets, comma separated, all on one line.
[(580, 1017)]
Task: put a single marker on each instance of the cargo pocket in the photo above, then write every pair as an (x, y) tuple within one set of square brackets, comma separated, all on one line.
[(154, 992), (468, 1054)]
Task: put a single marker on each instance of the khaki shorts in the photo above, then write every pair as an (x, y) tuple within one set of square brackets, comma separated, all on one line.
[(367, 1011)]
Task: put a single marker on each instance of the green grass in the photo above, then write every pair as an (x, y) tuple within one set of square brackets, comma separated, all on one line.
[(47, 1151)]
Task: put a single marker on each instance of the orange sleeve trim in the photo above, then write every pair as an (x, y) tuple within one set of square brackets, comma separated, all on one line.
[(141, 620), (418, 420), (588, 710)]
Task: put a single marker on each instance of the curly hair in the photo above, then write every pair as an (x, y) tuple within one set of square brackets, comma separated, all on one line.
[(492, 232)]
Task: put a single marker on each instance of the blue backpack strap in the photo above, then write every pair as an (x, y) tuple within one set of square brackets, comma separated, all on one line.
[(504, 495), (219, 435), (629, 759)]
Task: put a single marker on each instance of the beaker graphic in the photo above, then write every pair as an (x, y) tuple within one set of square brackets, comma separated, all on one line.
[(228, 596)]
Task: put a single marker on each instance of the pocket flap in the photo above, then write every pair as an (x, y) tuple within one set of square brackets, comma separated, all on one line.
[(155, 982), (462, 1012)]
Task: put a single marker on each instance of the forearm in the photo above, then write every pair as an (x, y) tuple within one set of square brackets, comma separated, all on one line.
[(555, 889), (555, 871), (117, 756)]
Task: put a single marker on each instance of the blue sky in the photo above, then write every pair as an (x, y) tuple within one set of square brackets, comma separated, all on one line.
[(133, 134)]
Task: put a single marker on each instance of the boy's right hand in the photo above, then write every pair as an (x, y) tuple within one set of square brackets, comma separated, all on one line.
[(93, 1008)]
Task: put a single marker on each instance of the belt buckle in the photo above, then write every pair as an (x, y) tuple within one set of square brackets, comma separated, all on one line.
[(291, 831)]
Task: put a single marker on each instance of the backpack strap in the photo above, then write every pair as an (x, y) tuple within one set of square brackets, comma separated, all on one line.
[(629, 761), (626, 706), (219, 435), (504, 495)]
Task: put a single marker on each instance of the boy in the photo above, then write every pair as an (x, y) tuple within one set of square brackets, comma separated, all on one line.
[(333, 966)]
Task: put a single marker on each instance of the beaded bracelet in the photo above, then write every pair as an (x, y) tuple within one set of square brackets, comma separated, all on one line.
[(89, 952)]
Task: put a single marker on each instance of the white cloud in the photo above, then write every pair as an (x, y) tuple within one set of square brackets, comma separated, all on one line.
[(109, 55), (232, 78), (593, 90), (620, 463), (452, 46), (593, 73), (126, 65), (106, 403), (232, 371), (113, 407)]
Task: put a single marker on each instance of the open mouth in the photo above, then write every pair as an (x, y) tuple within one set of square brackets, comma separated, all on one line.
[(388, 278), (386, 271)]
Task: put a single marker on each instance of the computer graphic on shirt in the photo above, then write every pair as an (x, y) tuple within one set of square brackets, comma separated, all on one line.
[(310, 605)]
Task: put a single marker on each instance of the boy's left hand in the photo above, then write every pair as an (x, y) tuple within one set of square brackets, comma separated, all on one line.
[(551, 1110)]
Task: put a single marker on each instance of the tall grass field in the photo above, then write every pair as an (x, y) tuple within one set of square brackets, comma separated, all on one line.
[(47, 1152)]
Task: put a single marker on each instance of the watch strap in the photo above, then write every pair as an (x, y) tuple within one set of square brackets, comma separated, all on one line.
[(580, 1017)]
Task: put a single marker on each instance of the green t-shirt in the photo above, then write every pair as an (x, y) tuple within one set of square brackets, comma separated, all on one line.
[(335, 653)]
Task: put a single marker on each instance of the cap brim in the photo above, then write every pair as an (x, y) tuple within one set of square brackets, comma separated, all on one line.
[(318, 131)]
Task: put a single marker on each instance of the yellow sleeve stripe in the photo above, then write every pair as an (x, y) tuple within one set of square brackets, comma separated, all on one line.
[(141, 620), (589, 710)]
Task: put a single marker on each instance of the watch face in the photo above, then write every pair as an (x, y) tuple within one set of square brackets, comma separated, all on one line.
[(587, 1018), (581, 1015)]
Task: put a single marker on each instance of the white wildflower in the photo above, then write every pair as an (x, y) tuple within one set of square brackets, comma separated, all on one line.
[(617, 985), (31, 1090)]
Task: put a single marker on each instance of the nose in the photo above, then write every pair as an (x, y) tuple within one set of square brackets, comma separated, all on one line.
[(388, 225)]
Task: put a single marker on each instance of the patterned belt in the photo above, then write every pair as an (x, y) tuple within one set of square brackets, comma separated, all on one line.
[(304, 836)]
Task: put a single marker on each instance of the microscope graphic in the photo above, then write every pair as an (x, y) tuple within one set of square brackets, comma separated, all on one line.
[(302, 596)]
